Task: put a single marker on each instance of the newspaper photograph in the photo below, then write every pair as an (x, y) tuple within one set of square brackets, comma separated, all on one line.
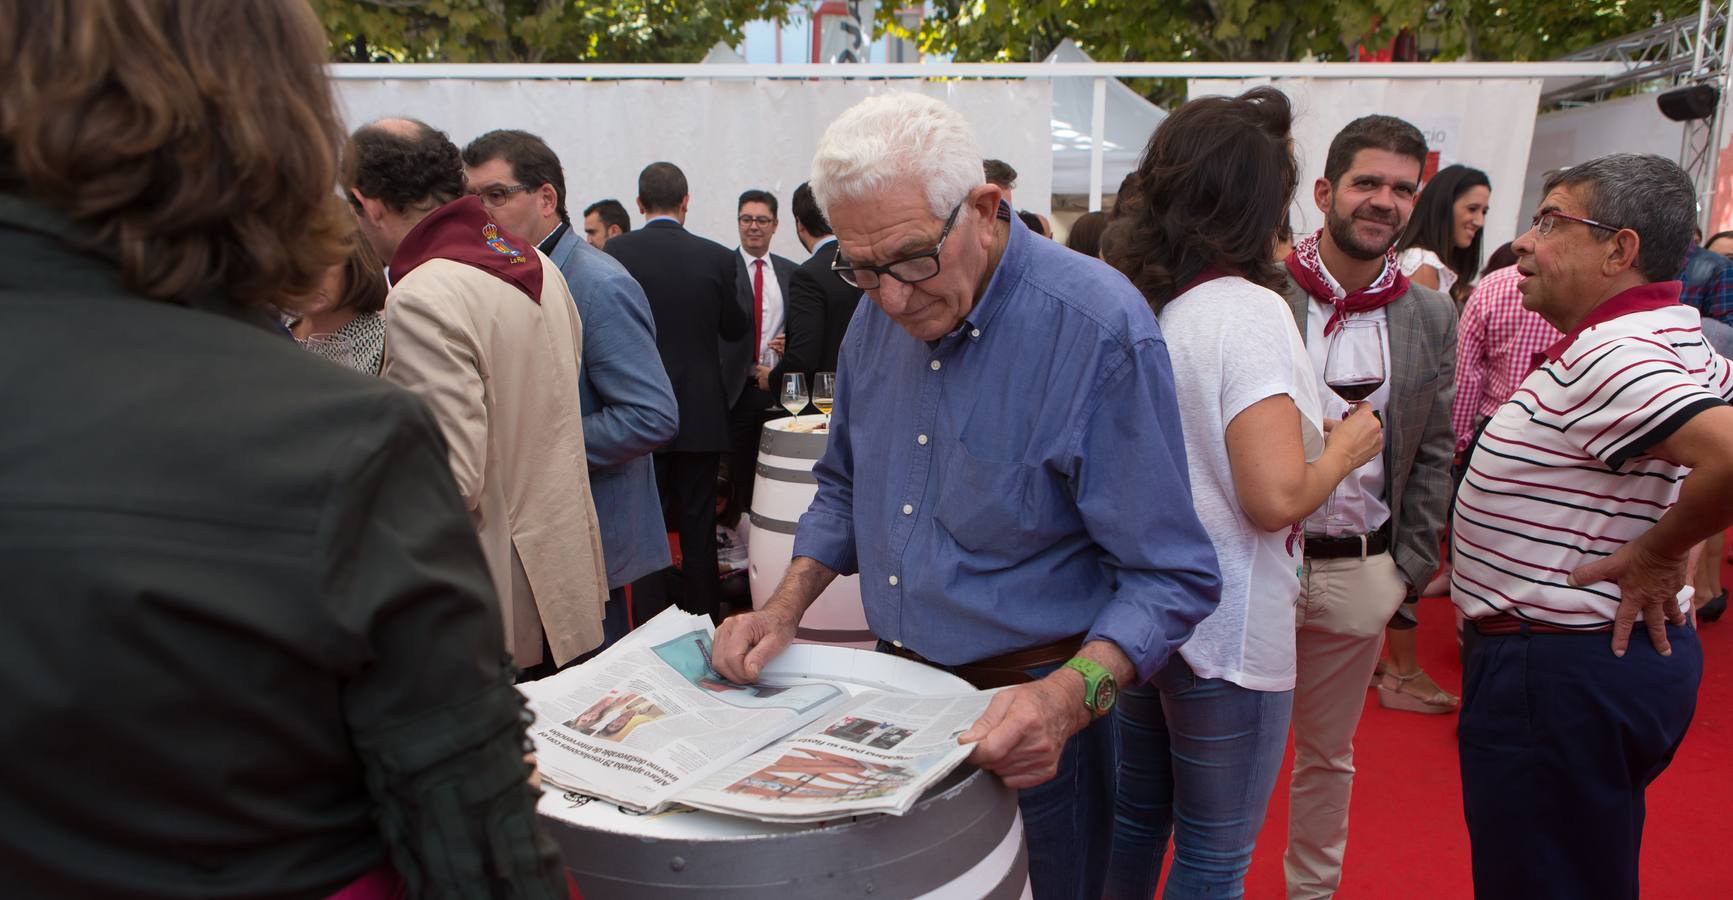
[(875, 754)]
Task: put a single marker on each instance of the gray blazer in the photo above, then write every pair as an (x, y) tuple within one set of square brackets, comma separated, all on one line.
[(1418, 442)]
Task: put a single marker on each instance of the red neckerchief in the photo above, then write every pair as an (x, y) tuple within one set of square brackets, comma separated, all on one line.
[(1307, 269), (1642, 298), (462, 231)]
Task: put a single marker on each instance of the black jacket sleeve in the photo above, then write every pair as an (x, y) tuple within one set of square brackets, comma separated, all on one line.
[(433, 715)]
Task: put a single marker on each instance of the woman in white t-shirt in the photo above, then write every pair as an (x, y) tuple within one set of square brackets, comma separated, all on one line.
[(1441, 248), (1201, 743)]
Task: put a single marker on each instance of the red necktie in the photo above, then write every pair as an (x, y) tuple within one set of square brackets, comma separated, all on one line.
[(757, 307)]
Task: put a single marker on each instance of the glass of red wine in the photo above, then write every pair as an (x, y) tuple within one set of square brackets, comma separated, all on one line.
[(1354, 369)]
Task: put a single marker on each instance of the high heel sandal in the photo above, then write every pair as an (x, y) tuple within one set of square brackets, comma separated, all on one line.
[(1391, 695), (1712, 610)]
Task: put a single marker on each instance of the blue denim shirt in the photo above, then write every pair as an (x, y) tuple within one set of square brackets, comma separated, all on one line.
[(1022, 479), (627, 403)]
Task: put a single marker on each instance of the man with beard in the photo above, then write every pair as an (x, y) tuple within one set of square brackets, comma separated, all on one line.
[(1380, 544)]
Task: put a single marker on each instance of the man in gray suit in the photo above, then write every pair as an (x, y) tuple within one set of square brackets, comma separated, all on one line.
[(761, 282), (626, 399), (1380, 544)]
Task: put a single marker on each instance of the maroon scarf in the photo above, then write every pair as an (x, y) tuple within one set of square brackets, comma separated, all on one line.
[(1307, 269), (462, 231)]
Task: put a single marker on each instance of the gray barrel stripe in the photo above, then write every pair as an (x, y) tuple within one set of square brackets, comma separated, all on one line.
[(1016, 879), (956, 826), (791, 445), (795, 475), (834, 635), (776, 525)]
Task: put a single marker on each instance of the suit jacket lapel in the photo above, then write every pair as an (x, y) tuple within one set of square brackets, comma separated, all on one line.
[(1402, 322)]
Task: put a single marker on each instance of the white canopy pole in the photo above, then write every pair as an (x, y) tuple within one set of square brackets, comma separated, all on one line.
[(1097, 135)]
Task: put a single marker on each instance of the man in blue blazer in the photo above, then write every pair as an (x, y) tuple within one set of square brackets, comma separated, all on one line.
[(627, 401)]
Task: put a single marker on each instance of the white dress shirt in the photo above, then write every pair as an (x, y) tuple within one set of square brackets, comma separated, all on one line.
[(1359, 499), (772, 303)]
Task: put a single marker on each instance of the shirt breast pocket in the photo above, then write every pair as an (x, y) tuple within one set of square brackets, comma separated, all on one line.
[(985, 505)]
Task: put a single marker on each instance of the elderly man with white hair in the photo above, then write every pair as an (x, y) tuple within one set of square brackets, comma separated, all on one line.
[(1005, 471)]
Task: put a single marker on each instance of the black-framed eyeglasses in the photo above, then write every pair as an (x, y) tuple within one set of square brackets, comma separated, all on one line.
[(1543, 223), (760, 221), (496, 195), (908, 270)]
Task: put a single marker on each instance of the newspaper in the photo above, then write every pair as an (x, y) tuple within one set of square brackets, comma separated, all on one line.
[(649, 723)]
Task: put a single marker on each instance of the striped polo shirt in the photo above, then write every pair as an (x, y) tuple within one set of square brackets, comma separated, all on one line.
[(1561, 477)]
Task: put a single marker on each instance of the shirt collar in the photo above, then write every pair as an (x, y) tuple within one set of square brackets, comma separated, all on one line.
[(1642, 298), (553, 239), (663, 218), (1007, 276), (750, 259), (819, 244)]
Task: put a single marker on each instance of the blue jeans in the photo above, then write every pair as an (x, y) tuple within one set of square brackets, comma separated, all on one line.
[(1198, 758), (1068, 821), (1558, 739)]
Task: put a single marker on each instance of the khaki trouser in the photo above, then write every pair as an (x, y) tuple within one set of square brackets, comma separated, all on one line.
[(1343, 608)]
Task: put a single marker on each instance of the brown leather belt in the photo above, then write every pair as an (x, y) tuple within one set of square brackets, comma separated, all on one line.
[(1504, 623), (1006, 669), (1353, 546)]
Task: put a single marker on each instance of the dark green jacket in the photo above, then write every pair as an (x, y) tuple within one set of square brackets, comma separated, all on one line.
[(249, 643)]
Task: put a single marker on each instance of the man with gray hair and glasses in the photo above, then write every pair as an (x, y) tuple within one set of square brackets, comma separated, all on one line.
[(1005, 471), (1583, 498)]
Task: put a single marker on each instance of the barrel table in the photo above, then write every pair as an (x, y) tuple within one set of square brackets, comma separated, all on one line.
[(964, 839), (783, 489)]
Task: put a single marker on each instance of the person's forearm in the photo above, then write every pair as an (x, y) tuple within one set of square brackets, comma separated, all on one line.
[(805, 579), (1704, 508)]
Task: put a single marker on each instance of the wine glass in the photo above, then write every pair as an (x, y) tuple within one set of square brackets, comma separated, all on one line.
[(824, 394), (1354, 369), (794, 392)]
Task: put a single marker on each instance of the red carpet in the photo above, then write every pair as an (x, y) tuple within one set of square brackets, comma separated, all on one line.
[(1406, 835)]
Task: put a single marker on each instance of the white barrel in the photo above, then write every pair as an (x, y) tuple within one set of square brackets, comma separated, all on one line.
[(782, 490), (963, 840)]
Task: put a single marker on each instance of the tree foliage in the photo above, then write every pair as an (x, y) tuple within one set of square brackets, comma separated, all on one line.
[(1286, 30), (535, 31)]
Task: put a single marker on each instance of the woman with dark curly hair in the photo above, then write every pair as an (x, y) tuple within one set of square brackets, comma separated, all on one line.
[(1441, 248), (1201, 743)]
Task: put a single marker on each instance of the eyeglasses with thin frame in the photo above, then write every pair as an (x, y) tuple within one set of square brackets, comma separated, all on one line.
[(760, 221), (908, 270), (496, 195), (1543, 223)]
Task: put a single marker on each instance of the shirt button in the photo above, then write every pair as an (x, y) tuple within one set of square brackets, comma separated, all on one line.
[(935, 365), (893, 581), (908, 509), (921, 439), (975, 332), (897, 644)]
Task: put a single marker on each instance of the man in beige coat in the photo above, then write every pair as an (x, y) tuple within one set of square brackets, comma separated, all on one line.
[(481, 325)]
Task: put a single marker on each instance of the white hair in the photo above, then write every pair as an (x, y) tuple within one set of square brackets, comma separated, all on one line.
[(895, 137)]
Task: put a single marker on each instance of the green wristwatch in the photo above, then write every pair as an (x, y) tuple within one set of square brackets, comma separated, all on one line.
[(1100, 688)]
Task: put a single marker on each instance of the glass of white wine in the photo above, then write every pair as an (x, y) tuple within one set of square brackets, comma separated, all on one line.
[(824, 394), (794, 392)]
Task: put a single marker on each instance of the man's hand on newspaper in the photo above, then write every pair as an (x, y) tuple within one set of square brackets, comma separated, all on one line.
[(1020, 736), (746, 642)]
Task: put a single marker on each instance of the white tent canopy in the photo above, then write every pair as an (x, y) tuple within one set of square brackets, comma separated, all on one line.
[(1129, 123)]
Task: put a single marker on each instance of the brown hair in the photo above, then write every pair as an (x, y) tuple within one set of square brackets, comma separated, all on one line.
[(1214, 187), (364, 286), (192, 141)]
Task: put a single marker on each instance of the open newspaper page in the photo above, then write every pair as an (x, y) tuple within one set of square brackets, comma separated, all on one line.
[(649, 716), (875, 754)]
